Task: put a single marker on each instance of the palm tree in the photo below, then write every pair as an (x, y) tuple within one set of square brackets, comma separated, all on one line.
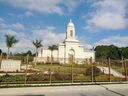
[(53, 47), (37, 44), (10, 41)]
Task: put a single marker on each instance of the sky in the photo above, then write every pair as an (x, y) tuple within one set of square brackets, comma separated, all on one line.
[(97, 22)]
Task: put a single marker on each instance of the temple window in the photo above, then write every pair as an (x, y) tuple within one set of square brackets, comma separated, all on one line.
[(71, 33)]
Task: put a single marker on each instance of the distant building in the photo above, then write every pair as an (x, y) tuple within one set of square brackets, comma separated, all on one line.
[(69, 51)]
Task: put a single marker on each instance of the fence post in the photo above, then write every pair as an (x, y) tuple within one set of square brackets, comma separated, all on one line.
[(109, 69), (72, 71), (122, 63), (26, 68), (92, 73), (50, 69), (1, 55), (125, 68)]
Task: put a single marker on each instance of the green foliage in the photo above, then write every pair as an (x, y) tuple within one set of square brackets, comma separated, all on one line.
[(102, 51), (37, 43), (24, 53), (96, 71), (0, 51), (82, 77), (62, 77), (113, 52), (37, 77), (10, 40), (125, 52), (11, 78), (53, 47)]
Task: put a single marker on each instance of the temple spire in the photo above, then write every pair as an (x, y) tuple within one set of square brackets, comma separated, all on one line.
[(70, 20)]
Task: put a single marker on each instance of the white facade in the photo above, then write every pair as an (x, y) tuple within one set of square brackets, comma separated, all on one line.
[(70, 49)]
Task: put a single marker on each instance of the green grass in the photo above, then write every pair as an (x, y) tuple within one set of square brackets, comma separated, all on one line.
[(118, 69), (61, 68)]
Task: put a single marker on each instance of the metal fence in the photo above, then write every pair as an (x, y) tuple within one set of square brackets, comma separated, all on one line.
[(31, 72)]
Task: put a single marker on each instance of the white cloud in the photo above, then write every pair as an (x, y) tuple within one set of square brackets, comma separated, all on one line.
[(18, 26), (23, 45), (28, 13), (72, 4), (7, 31), (15, 26), (14, 29), (45, 6), (120, 41), (108, 14), (41, 6), (49, 35), (1, 19)]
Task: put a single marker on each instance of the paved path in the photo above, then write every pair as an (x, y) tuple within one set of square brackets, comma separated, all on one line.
[(85, 90), (114, 72)]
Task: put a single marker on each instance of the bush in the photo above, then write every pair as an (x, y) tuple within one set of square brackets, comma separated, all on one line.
[(37, 77), (11, 78), (82, 77), (96, 71), (59, 76)]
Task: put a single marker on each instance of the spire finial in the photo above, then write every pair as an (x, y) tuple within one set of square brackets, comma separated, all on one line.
[(70, 20)]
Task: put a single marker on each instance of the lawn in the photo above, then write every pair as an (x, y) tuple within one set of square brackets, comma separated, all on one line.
[(62, 68)]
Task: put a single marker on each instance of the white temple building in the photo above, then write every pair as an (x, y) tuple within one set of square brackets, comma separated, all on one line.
[(69, 51)]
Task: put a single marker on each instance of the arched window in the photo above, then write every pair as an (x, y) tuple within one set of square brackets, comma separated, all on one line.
[(71, 33)]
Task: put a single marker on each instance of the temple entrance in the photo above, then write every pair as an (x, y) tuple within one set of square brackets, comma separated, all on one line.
[(71, 56)]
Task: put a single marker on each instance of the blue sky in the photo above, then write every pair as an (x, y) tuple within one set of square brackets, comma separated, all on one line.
[(97, 22)]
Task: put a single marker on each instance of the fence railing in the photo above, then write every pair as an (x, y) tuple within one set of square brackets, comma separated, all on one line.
[(102, 70)]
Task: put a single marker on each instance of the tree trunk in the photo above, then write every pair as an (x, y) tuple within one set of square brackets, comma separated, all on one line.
[(36, 58), (1, 55), (8, 52), (26, 70)]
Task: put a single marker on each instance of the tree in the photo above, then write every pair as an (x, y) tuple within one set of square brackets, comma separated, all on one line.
[(114, 52), (0, 51), (125, 52), (37, 44), (29, 52), (10, 41), (105, 52), (53, 47), (102, 51)]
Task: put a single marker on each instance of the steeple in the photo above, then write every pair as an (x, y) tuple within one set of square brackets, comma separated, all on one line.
[(70, 32), (70, 20)]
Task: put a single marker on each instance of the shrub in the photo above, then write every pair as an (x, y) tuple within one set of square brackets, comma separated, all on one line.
[(82, 77), (11, 78), (60, 76), (96, 71), (37, 77)]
